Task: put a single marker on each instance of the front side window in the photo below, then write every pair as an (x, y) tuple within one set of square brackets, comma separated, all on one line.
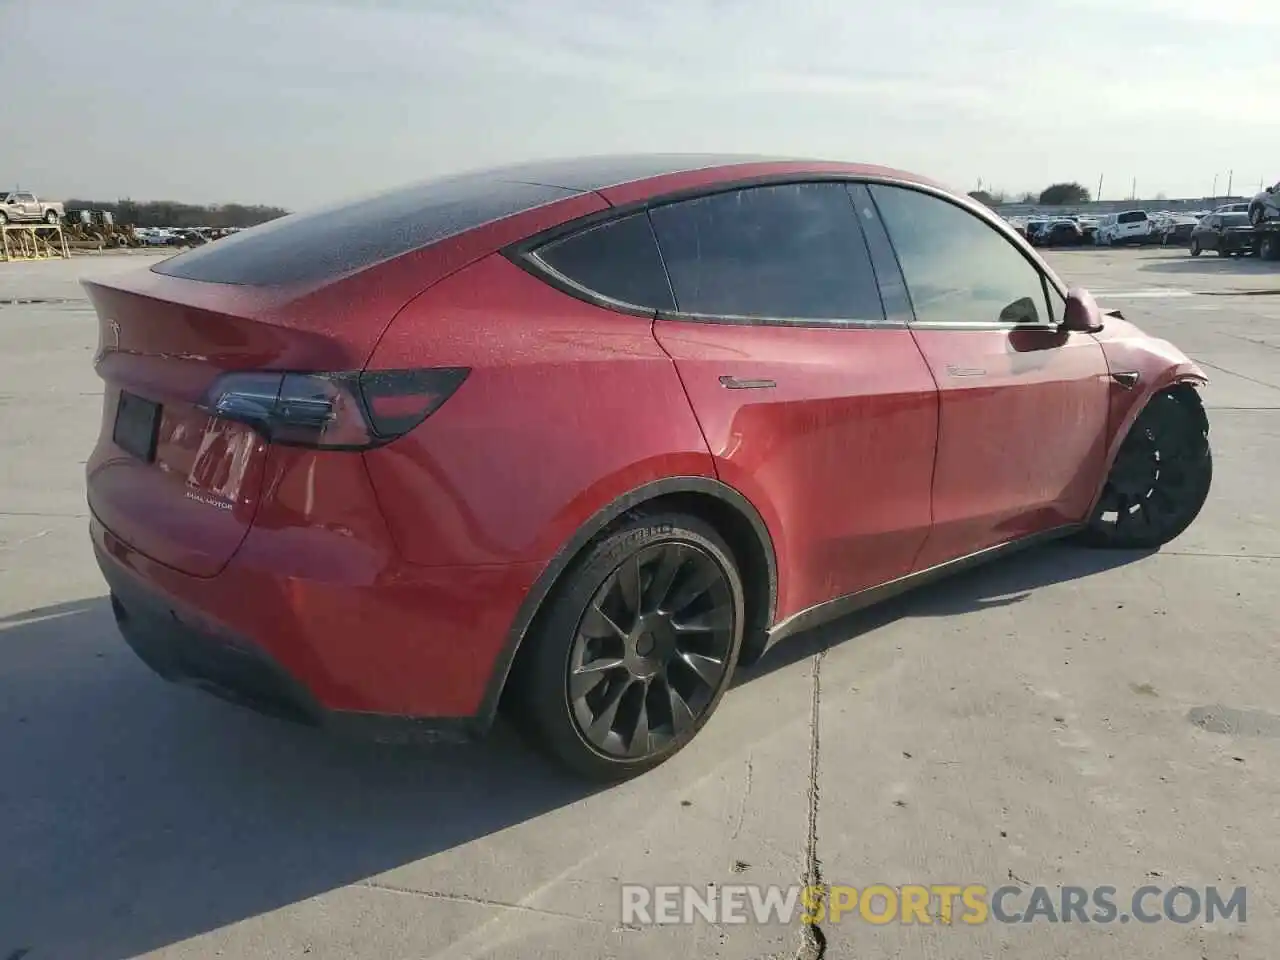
[(618, 260), (790, 252), (959, 269)]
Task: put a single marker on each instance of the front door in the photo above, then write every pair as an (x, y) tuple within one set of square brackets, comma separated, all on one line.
[(1023, 417), (814, 405)]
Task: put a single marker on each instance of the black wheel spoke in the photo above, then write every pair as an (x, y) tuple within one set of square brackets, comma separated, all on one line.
[(707, 668), (630, 585), (602, 724), (638, 744), (587, 677), (709, 621), (597, 623), (698, 578), (669, 565), (682, 717)]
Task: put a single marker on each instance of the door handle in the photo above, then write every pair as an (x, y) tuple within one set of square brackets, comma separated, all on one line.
[(733, 383), (955, 371)]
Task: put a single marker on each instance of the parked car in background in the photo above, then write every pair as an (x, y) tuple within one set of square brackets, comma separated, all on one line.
[(311, 491), (1177, 230), (1265, 206), (1060, 233), (21, 207), (1242, 207), (1230, 234), (1129, 227)]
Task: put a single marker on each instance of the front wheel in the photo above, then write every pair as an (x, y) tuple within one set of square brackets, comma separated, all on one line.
[(51, 217), (1257, 214), (4, 218), (1160, 478), (636, 648)]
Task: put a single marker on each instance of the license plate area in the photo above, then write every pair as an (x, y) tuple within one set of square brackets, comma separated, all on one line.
[(137, 426)]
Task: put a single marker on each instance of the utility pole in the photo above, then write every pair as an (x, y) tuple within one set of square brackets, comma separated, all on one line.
[(1134, 194), (1231, 175), (1215, 187), (1098, 196)]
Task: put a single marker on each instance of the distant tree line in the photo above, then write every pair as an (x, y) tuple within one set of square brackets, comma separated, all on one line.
[(167, 213), (1054, 195)]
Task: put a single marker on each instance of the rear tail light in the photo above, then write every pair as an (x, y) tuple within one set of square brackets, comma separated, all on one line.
[(333, 411)]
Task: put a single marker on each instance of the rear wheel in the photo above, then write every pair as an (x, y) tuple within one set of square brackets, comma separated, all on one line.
[(1160, 478), (51, 217), (1256, 214), (1195, 247), (637, 647)]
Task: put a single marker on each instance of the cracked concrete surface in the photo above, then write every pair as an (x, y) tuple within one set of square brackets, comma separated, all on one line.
[(1064, 717)]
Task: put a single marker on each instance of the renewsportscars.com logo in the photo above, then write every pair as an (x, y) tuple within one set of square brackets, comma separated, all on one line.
[(944, 904)]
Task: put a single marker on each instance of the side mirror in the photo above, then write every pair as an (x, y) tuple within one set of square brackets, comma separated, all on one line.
[(1082, 314)]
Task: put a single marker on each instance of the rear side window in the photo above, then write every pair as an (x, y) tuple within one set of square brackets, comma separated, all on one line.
[(786, 252), (618, 260), (1133, 216)]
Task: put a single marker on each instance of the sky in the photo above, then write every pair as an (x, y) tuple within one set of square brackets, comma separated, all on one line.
[(304, 102)]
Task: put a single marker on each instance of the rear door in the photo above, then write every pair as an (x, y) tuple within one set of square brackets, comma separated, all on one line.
[(1023, 406), (815, 402), (1212, 232)]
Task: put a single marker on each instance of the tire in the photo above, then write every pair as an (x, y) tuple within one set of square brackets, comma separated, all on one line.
[(1160, 479), (1257, 213), (655, 607), (1269, 248), (1222, 252), (4, 218), (51, 217), (1195, 247)]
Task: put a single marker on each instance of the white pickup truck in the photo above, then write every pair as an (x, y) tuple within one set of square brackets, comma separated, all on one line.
[(17, 206)]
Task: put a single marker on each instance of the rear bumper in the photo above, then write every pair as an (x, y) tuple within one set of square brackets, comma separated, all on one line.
[(411, 659)]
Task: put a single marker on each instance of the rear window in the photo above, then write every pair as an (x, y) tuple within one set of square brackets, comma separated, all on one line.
[(1133, 216), (307, 247), (618, 260)]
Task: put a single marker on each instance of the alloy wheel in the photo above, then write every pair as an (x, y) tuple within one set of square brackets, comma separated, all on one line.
[(651, 651), (1159, 479)]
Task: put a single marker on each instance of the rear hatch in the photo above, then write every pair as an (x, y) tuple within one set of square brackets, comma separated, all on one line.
[(296, 294), (166, 477)]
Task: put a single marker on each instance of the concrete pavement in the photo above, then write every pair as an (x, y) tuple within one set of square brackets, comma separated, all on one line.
[(1064, 717)]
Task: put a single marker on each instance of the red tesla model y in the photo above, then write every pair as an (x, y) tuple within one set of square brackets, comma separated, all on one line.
[(585, 435)]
